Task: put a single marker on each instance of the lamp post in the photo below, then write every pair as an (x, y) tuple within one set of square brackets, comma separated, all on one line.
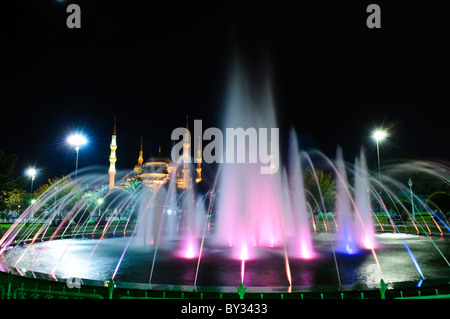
[(76, 140), (410, 184), (379, 135), (31, 172)]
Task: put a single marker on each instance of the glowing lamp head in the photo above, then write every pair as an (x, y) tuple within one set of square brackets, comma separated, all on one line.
[(410, 182), (31, 172), (379, 135), (76, 140)]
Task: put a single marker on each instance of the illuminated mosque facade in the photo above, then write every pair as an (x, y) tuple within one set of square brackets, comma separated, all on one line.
[(157, 170)]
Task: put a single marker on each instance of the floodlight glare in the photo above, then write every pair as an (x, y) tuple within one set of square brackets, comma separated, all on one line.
[(31, 172), (76, 140), (379, 135)]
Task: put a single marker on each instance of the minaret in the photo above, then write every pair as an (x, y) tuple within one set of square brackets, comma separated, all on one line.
[(138, 168), (141, 154), (199, 163), (186, 155), (112, 158)]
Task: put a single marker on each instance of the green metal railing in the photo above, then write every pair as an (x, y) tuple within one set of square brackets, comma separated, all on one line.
[(18, 287)]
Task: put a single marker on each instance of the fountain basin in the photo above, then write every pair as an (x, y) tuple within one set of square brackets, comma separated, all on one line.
[(74, 258)]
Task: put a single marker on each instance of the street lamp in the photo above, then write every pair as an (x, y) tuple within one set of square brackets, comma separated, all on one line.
[(379, 135), (76, 140), (31, 172), (410, 184)]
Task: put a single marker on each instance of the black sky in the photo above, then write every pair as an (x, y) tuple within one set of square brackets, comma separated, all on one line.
[(151, 63)]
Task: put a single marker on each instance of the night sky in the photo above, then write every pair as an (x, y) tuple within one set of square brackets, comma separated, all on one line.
[(151, 63)]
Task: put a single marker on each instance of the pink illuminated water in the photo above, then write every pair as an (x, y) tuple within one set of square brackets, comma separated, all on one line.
[(255, 210), (365, 232), (302, 233)]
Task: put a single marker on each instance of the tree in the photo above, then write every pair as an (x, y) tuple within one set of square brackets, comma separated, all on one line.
[(14, 198), (97, 193), (61, 186), (327, 184), (9, 182), (439, 200), (131, 186), (403, 204), (91, 198), (50, 183)]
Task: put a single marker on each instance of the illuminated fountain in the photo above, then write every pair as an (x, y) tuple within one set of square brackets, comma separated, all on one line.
[(363, 210), (185, 243), (248, 227)]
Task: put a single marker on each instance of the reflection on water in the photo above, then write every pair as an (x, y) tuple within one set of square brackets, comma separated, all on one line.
[(77, 258)]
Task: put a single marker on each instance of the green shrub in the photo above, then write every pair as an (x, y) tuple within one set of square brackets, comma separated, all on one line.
[(439, 200)]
